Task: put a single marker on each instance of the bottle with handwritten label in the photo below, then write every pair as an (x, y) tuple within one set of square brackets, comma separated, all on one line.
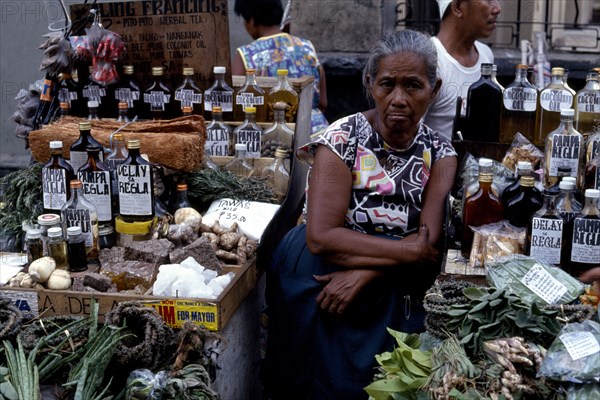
[(552, 99), (95, 177), (484, 105), (219, 94), (519, 102), (545, 232), (587, 105), (239, 166), (568, 208), (158, 96), (564, 147), (57, 174), (218, 135), (585, 248), (80, 212), (136, 186), (128, 91), (118, 154), (78, 151), (278, 135), (250, 134), (250, 95), (97, 92), (189, 94), (283, 91), (69, 93)]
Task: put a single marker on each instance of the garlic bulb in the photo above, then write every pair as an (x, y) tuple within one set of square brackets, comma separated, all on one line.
[(41, 269), (186, 214), (59, 280)]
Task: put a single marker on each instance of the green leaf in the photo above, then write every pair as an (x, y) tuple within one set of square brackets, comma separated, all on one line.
[(495, 303), (479, 307), (473, 293), (8, 391), (457, 313)]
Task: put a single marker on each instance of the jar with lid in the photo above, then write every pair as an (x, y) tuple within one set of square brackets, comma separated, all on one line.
[(77, 256), (57, 248), (47, 221), (33, 242), (107, 237)]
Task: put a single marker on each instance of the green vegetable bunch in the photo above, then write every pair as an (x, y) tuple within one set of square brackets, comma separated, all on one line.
[(23, 198)]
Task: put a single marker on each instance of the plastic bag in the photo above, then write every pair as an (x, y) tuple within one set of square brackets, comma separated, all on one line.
[(181, 235), (521, 149), (574, 356), (143, 384), (532, 280), (469, 174), (590, 391), (493, 241)]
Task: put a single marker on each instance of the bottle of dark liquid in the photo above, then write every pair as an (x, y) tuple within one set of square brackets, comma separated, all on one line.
[(76, 249), (524, 168), (519, 107), (93, 109), (484, 207), (552, 99), (123, 113), (218, 135), (545, 232), (69, 93), (484, 105), (97, 92), (34, 245), (189, 94), (250, 95), (158, 96), (57, 174), (80, 212), (568, 208), (284, 92), (78, 151), (180, 200), (521, 207), (118, 154), (219, 94), (128, 91), (585, 247), (136, 186), (249, 133), (65, 110), (95, 177)]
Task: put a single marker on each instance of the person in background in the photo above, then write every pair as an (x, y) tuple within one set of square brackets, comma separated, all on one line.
[(372, 242), (460, 55), (273, 49)]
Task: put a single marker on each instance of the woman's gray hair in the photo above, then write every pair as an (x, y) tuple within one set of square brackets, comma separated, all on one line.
[(406, 41)]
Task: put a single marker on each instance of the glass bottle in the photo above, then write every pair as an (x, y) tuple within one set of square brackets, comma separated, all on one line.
[(520, 208), (564, 147), (57, 248), (219, 94), (486, 166), (249, 133), (136, 186), (45, 222), (76, 254), (568, 208), (123, 113), (80, 212), (277, 174), (95, 177), (552, 99), (65, 110), (282, 91), (484, 106), (495, 76), (93, 91), (239, 165), (563, 172), (107, 237), (93, 110), (34, 245), (484, 207), (250, 95), (524, 168), (545, 232), (78, 151), (218, 135), (189, 94), (278, 135), (118, 154), (180, 200), (587, 105), (158, 96), (585, 248), (57, 174), (592, 173), (128, 91), (69, 93), (43, 112), (519, 102)]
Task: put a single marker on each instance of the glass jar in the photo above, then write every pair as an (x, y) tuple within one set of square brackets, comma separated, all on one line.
[(108, 237), (47, 221), (33, 243), (57, 248)]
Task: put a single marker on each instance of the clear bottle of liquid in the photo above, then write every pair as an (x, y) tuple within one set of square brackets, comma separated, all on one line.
[(250, 95), (218, 135), (128, 91), (34, 245), (520, 208), (585, 248), (180, 200), (524, 168), (57, 248), (564, 148), (486, 166), (118, 154), (279, 135), (283, 91), (239, 165), (136, 186), (249, 134), (545, 232), (57, 175), (484, 106), (552, 99), (78, 151), (123, 109), (519, 107), (76, 254), (158, 96), (80, 212), (93, 109), (95, 177), (278, 175), (219, 94), (568, 208), (587, 105), (189, 94)]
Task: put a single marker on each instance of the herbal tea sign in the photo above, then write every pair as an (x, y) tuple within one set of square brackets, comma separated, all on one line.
[(171, 33)]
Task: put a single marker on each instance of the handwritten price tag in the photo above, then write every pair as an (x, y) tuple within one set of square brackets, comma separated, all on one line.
[(580, 344), (540, 282)]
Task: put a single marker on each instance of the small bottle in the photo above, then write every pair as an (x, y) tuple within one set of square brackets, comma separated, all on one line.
[(57, 248), (45, 222), (80, 212), (95, 177), (65, 110), (158, 96), (118, 154), (123, 113), (77, 257), (250, 95), (93, 107), (189, 94), (180, 200), (585, 248), (520, 208), (278, 135), (78, 151), (587, 105), (136, 186), (249, 134), (283, 91), (486, 166), (128, 91), (278, 175), (484, 105), (239, 165), (519, 104), (545, 232), (107, 237), (219, 94), (552, 99), (568, 208), (34, 245), (524, 168), (564, 147), (218, 135), (56, 177)]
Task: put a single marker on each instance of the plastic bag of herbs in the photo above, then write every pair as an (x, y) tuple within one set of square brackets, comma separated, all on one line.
[(574, 356), (589, 391), (533, 281)]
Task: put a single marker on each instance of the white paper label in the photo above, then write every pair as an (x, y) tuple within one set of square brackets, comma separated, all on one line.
[(188, 97), (97, 190), (249, 99), (80, 217), (135, 190), (217, 142), (580, 344), (66, 96), (251, 138), (540, 282), (54, 187), (126, 95), (546, 238), (586, 241), (565, 153), (588, 102), (157, 100), (218, 98), (556, 99), (94, 92), (520, 99)]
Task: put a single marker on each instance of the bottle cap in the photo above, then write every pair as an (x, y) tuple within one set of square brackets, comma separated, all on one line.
[(157, 71), (133, 144), (93, 104), (128, 69), (76, 184), (56, 144), (241, 147), (521, 165), (187, 71), (592, 194), (217, 109), (85, 126), (566, 185), (55, 232), (118, 136), (64, 105), (570, 179), (105, 230), (485, 162), (182, 186), (122, 105), (558, 71), (527, 181), (521, 66), (281, 153), (48, 219), (280, 106), (93, 148), (567, 112), (250, 109), (219, 70), (282, 72), (74, 230), (250, 71), (186, 109), (33, 234)]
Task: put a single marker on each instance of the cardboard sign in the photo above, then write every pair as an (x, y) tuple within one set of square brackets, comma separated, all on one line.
[(177, 312), (252, 217), (171, 33)]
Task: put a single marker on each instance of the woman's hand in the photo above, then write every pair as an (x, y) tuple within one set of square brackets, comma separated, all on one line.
[(342, 287), (591, 275), (421, 251)]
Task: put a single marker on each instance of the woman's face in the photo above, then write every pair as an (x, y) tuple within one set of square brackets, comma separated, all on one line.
[(402, 93)]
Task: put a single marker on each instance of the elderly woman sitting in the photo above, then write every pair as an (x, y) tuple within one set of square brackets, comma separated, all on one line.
[(370, 246)]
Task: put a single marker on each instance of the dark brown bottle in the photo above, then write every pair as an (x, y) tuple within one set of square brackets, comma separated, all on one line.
[(78, 151), (69, 93), (568, 208), (136, 186), (57, 175), (484, 105), (180, 200), (95, 177), (158, 96), (529, 200), (545, 232), (524, 168), (585, 247), (128, 91), (77, 256)]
